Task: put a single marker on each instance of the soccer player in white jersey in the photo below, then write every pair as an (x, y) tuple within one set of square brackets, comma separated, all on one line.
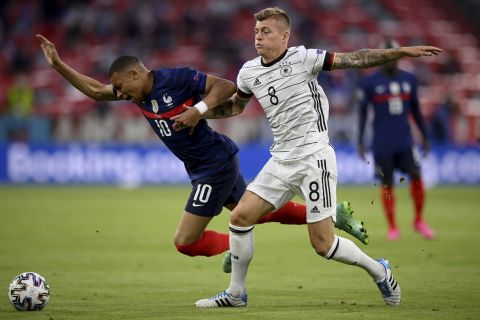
[(303, 162)]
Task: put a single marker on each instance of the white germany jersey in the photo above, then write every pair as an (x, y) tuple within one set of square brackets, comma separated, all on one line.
[(294, 103)]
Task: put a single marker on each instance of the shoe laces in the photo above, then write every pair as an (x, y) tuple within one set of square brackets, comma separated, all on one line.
[(223, 294)]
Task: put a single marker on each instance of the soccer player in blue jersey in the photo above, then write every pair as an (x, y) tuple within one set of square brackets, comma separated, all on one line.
[(393, 95), (210, 158)]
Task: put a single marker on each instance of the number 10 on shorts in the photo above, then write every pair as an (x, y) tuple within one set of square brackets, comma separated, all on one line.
[(203, 192)]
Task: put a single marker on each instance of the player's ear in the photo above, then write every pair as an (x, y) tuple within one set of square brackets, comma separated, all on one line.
[(134, 74), (285, 36)]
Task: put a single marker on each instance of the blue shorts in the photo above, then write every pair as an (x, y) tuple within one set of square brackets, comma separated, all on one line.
[(211, 193), (385, 164)]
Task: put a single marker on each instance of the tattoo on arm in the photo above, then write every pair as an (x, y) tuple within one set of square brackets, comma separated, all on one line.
[(222, 111), (226, 110), (241, 104), (367, 58)]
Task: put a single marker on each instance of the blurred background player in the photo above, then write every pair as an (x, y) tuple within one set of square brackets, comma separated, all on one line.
[(393, 95), (210, 158)]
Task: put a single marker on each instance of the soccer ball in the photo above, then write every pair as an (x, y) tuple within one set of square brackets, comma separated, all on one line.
[(29, 291)]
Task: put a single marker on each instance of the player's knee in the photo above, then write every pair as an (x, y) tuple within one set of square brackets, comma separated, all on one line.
[(185, 246), (186, 249), (415, 174), (240, 219), (184, 243)]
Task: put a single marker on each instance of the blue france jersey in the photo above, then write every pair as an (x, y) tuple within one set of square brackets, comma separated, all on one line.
[(205, 151), (392, 99)]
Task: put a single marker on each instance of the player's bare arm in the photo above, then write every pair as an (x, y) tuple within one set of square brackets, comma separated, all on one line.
[(367, 58), (89, 86), (232, 107), (217, 91)]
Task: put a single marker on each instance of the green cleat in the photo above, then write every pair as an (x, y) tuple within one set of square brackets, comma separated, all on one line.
[(347, 222), (227, 263)]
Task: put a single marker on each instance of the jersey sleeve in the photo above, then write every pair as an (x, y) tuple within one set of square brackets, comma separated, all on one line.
[(190, 78), (243, 90), (316, 60)]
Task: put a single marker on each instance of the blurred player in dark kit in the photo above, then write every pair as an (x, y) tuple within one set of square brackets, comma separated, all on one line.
[(393, 95)]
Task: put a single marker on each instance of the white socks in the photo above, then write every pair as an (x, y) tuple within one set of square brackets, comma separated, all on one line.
[(344, 250), (242, 247), (241, 250)]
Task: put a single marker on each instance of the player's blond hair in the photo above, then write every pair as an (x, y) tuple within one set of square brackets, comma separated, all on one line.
[(274, 12)]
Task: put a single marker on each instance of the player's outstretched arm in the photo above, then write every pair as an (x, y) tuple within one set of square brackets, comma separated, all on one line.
[(90, 87), (367, 58)]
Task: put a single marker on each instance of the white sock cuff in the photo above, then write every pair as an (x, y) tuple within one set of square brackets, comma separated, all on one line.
[(333, 249), (239, 230)]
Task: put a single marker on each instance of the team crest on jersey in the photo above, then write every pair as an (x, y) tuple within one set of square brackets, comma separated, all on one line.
[(285, 70), (168, 100), (406, 87), (380, 89), (154, 105)]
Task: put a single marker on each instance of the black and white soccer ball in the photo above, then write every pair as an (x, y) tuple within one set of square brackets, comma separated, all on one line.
[(29, 291)]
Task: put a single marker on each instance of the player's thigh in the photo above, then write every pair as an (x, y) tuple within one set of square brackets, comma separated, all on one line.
[(384, 167), (408, 162), (319, 185), (272, 183), (190, 228), (236, 193), (209, 194)]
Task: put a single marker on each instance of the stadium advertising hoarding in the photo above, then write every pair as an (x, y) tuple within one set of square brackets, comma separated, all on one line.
[(141, 164)]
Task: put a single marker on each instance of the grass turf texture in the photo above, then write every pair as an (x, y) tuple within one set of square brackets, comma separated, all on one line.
[(107, 253)]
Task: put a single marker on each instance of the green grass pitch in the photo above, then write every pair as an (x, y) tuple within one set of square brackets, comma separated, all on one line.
[(107, 253)]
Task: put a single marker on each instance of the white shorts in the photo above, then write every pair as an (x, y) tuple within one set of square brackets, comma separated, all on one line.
[(313, 178)]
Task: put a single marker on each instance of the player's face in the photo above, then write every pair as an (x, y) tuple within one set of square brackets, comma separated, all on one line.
[(127, 86), (270, 38)]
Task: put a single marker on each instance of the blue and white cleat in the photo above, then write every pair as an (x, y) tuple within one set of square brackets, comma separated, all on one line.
[(223, 299), (389, 287)]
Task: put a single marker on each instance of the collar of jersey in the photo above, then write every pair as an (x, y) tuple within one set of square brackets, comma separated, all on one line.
[(274, 61)]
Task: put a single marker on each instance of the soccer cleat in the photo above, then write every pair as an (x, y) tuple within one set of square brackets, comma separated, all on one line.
[(393, 234), (223, 299), (389, 287), (227, 263), (347, 222), (423, 228)]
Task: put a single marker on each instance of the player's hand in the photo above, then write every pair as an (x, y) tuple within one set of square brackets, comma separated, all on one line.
[(49, 50), (187, 119), (361, 152), (420, 51)]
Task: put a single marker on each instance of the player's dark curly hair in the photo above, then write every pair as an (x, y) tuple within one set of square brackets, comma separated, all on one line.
[(122, 63)]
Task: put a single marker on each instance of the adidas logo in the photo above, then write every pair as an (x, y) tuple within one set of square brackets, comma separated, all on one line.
[(257, 82), (315, 210)]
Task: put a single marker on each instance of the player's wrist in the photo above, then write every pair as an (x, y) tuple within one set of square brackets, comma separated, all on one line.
[(201, 107)]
